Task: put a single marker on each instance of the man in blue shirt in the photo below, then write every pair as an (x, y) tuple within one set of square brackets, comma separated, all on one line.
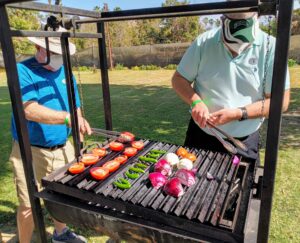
[(45, 100), (226, 67)]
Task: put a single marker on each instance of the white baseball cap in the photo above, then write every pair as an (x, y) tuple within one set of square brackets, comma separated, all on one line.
[(54, 43)]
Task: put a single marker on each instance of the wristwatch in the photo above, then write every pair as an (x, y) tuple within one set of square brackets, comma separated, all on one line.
[(244, 113)]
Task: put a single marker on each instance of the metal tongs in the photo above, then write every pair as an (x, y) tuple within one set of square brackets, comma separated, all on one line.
[(105, 133), (229, 147)]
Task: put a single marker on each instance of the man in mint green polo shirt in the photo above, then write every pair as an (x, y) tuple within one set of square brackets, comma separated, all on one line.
[(221, 77)]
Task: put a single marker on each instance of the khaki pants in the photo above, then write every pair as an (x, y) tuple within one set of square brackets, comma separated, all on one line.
[(44, 162)]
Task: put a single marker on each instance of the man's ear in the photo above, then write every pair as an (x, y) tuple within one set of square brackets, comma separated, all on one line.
[(37, 47)]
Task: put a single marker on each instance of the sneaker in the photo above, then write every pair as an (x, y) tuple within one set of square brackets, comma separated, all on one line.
[(67, 236)]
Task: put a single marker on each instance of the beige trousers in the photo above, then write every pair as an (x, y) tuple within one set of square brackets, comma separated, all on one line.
[(44, 162)]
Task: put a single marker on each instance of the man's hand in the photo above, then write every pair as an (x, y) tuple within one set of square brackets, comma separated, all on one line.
[(224, 116), (84, 126), (200, 114)]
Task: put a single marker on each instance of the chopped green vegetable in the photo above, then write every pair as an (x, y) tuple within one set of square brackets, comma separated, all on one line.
[(146, 159), (122, 183), (137, 170), (158, 151), (132, 175), (140, 165)]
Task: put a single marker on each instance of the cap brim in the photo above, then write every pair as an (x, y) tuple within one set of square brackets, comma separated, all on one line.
[(54, 44)]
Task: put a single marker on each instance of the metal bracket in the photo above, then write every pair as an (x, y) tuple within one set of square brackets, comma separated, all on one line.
[(257, 193)]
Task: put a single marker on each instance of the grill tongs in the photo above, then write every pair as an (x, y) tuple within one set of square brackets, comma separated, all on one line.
[(228, 146), (120, 136)]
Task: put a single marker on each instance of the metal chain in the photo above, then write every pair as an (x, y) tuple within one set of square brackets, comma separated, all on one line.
[(266, 66), (80, 84)]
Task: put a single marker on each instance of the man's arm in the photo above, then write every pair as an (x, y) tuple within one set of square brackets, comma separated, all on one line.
[(254, 110), (41, 114), (185, 91)]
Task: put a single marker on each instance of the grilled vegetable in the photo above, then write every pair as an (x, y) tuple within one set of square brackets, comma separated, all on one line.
[(236, 160), (112, 165), (126, 137), (174, 188), (181, 152), (158, 151), (163, 167), (146, 159), (172, 158), (76, 168), (190, 156), (89, 159), (185, 164), (186, 177), (121, 159), (101, 152), (116, 146), (99, 173), (154, 156), (130, 151), (137, 170), (140, 165), (157, 179), (139, 145), (122, 183), (132, 175)]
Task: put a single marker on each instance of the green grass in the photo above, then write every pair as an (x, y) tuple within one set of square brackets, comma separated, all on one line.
[(144, 103)]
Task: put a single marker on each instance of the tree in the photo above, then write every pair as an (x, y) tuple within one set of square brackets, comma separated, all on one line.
[(20, 19)]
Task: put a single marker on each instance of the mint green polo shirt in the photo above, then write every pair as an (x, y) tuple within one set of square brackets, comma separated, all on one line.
[(226, 82)]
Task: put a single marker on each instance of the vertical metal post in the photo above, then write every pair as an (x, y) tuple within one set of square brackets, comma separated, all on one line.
[(104, 76), (277, 94), (21, 123), (71, 94)]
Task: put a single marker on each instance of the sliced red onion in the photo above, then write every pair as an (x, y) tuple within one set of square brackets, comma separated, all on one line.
[(157, 179), (163, 167), (236, 160), (186, 177), (174, 188)]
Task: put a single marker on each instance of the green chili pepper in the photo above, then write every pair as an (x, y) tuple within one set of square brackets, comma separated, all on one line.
[(140, 165), (158, 151), (121, 183), (146, 159), (132, 175), (137, 170), (154, 156)]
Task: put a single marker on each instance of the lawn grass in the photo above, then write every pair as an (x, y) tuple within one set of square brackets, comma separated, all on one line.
[(144, 103)]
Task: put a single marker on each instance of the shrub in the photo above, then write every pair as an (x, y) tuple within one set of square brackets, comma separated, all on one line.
[(120, 66), (135, 68), (292, 62), (82, 68), (149, 67), (171, 67)]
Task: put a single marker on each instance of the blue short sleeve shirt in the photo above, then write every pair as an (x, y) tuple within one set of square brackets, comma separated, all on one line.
[(49, 89), (226, 82)]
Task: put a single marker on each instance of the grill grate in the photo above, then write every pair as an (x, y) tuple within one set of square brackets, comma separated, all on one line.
[(204, 202)]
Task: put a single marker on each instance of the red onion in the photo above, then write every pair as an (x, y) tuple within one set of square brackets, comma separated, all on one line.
[(186, 177), (157, 179), (174, 188), (163, 167)]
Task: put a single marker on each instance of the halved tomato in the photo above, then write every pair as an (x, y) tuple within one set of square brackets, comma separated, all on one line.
[(181, 152), (101, 152), (99, 173), (126, 137), (130, 151), (190, 156), (111, 165), (116, 146), (139, 145), (76, 168), (121, 159), (89, 159)]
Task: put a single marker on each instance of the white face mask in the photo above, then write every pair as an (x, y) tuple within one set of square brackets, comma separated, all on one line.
[(56, 62)]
